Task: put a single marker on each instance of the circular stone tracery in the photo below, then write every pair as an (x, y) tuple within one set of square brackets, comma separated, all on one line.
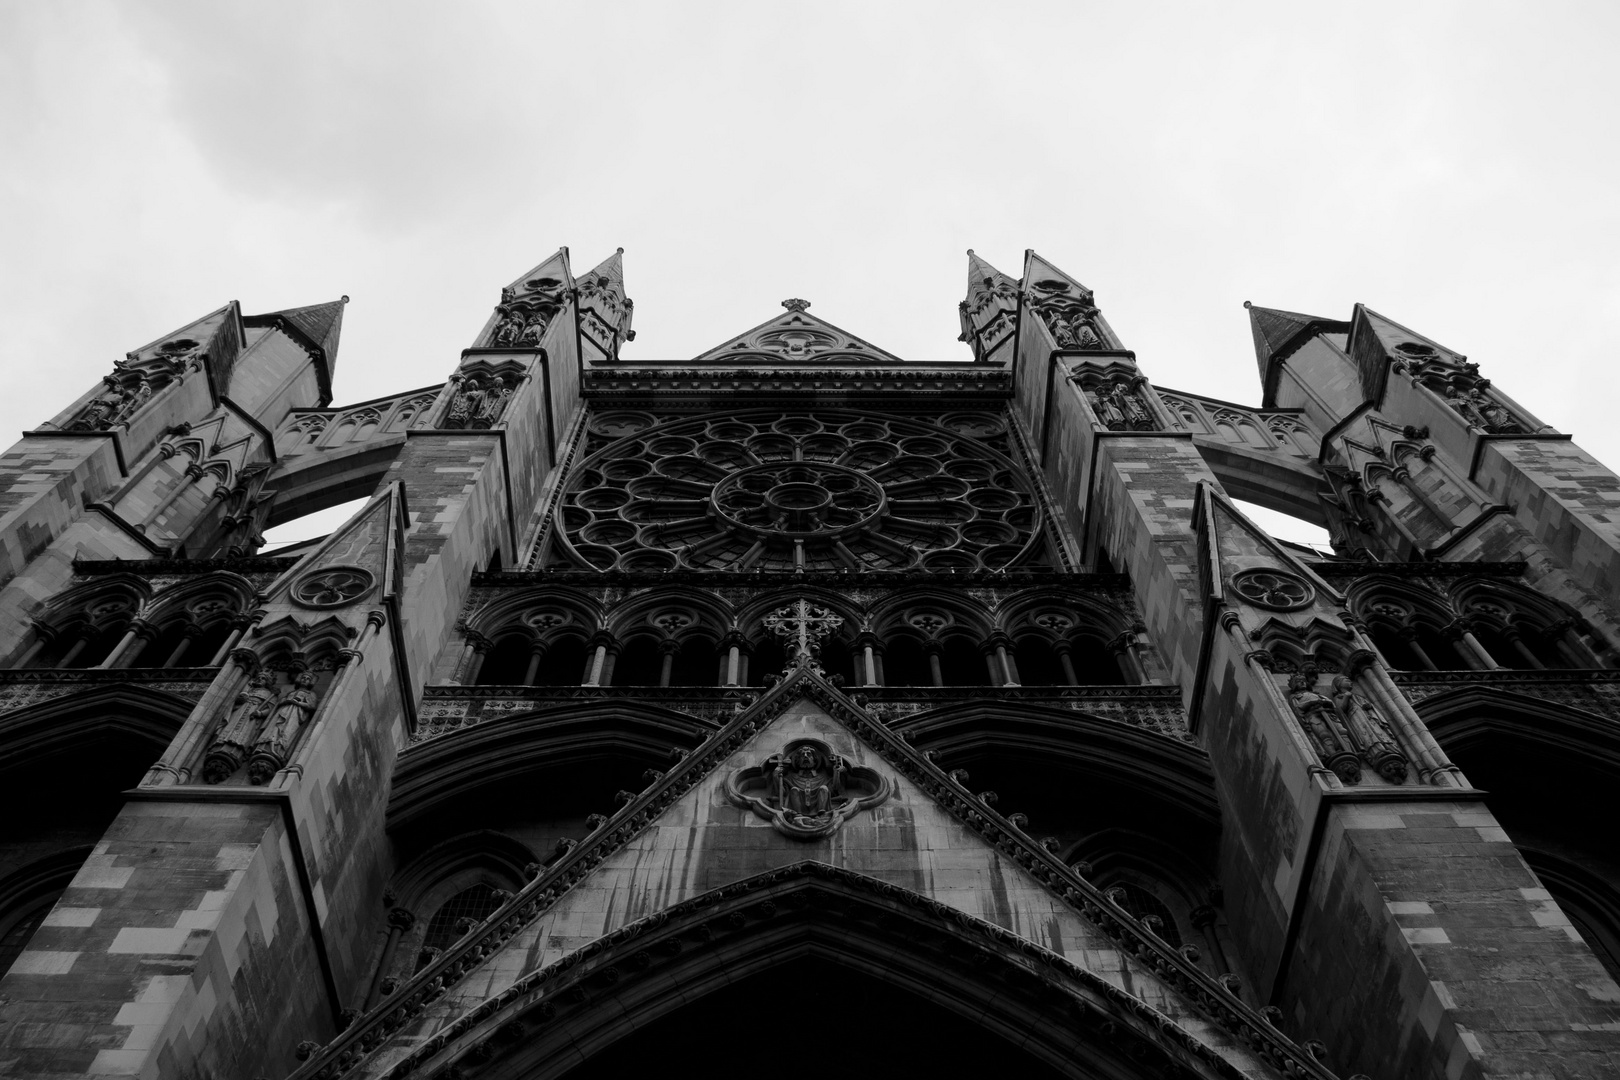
[(776, 490), (799, 499)]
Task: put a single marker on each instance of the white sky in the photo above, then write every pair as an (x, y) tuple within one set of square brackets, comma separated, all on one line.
[(1452, 165)]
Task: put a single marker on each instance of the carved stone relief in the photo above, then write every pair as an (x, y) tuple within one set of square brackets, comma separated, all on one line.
[(1346, 729), (133, 382), (526, 311), (806, 792), (1068, 312), (260, 728), (480, 399)]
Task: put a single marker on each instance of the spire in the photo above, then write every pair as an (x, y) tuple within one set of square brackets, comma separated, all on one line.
[(990, 311), (604, 311), (320, 323), (1277, 332)]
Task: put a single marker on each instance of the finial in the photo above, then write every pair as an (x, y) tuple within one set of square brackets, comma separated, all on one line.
[(344, 299), (970, 251), (795, 304), (1248, 303), (618, 251)]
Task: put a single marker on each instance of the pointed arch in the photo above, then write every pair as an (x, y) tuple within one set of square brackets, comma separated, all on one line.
[(1067, 1019)]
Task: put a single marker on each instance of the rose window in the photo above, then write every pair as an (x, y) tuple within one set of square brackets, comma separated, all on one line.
[(772, 490)]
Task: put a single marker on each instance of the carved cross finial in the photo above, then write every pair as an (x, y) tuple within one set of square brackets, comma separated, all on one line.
[(802, 625), (795, 304)]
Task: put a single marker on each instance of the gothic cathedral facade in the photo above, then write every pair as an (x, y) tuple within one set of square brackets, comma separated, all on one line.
[(805, 709)]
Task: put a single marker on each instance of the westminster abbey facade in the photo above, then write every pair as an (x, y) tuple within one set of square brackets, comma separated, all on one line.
[(803, 709)]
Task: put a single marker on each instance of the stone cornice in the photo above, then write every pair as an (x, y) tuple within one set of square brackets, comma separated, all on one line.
[(253, 564), (1417, 569), (834, 579), (622, 379)]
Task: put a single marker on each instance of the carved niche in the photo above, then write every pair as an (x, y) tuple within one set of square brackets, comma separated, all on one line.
[(807, 792), (480, 397), (1116, 399), (133, 382), (260, 727), (1459, 383), (525, 311), (1346, 729), (1068, 312)]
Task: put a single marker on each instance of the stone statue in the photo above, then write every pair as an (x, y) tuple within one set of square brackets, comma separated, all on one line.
[(801, 784), (132, 402), (291, 713), (1497, 419), (239, 728), (468, 402), (1465, 407), (1369, 730), (98, 415), (1321, 724), (1108, 410)]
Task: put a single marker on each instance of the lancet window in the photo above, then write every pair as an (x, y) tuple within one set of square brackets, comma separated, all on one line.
[(121, 623), (1476, 625)]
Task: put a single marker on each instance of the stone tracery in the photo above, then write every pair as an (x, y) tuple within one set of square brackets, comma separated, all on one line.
[(774, 490)]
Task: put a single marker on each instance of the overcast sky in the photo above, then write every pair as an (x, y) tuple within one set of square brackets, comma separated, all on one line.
[(1452, 165)]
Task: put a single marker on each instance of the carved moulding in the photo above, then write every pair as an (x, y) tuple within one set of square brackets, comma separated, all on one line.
[(806, 792)]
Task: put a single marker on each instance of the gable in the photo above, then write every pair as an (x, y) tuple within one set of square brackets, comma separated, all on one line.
[(796, 337), (685, 839)]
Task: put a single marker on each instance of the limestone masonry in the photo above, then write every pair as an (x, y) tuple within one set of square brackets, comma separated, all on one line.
[(805, 710)]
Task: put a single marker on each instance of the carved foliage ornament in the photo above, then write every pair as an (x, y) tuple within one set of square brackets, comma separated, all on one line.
[(806, 792), (332, 586), (1277, 590)]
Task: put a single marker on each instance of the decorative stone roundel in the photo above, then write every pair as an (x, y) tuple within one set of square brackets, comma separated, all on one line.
[(778, 490), (332, 586), (1275, 589)]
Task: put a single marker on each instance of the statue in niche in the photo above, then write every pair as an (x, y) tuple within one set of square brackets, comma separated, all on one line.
[(468, 402), (240, 727), (98, 415), (1370, 731), (1070, 323), (1477, 407), (1497, 419), (1322, 727), (291, 713), (133, 400), (807, 791), (1106, 399), (523, 319), (1120, 408), (494, 404)]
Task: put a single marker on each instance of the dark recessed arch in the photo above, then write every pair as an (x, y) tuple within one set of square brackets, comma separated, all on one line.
[(127, 712), (1039, 1014), (1169, 772), (633, 736)]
